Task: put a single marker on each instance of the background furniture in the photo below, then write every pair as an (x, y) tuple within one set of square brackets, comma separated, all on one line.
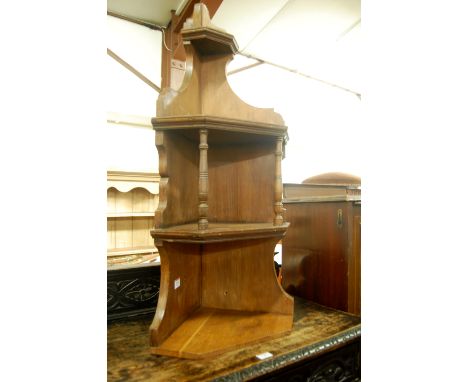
[(132, 290), (133, 272), (322, 248), (132, 198), (220, 212)]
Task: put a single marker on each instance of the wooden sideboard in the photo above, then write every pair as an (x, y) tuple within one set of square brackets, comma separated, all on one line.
[(322, 248), (132, 198), (133, 271)]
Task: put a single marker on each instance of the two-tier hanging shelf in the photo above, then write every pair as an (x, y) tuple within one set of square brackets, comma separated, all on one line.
[(220, 210)]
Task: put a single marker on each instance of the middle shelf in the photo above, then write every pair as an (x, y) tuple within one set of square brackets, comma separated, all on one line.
[(190, 233)]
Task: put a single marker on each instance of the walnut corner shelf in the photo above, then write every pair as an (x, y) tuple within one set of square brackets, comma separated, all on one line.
[(220, 210)]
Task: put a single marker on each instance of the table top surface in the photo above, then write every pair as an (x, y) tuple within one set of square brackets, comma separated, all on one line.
[(316, 330)]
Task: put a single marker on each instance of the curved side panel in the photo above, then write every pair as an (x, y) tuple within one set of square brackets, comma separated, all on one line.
[(179, 293), (218, 98), (205, 90), (163, 183), (185, 100)]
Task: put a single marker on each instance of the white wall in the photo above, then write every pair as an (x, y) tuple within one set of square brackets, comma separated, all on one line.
[(129, 147), (324, 126)]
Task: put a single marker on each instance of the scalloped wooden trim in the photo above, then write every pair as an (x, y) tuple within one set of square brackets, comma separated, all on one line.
[(125, 181)]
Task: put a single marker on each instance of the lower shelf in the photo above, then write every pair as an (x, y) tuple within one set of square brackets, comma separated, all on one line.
[(220, 330)]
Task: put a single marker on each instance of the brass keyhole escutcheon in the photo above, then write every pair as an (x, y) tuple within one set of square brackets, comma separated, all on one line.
[(339, 218)]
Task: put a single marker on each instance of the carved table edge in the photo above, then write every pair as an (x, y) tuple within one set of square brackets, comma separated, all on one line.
[(277, 363)]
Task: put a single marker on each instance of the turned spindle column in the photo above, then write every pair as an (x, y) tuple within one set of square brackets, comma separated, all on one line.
[(278, 182), (203, 181)]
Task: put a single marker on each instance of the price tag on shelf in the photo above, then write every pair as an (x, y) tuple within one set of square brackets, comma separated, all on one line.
[(264, 355)]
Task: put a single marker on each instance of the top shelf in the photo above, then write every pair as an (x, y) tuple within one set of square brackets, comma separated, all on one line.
[(219, 125), (217, 232)]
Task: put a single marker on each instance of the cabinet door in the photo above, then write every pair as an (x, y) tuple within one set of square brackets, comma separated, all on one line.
[(315, 253), (354, 278)]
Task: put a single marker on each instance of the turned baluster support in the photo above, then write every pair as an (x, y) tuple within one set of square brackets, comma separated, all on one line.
[(203, 181), (278, 183)]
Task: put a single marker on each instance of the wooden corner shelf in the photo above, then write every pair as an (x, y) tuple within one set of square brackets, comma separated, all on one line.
[(220, 211)]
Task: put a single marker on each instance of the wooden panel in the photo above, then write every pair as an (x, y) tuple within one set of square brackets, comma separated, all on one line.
[(123, 202), (111, 234), (111, 196), (141, 231), (314, 253), (180, 292), (196, 97), (354, 273), (240, 275), (178, 160), (123, 232), (232, 172), (218, 88), (140, 200)]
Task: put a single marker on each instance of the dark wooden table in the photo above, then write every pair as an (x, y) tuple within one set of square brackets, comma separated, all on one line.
[(324, 345)]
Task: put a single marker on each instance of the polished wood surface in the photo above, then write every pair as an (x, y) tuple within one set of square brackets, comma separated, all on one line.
[(203, 181), (354, 265), (178, 167), (233, 172), (240, 275), (235, 329), (220, 213), (321, 251), (229, 278), (316, 331), (180, 288)]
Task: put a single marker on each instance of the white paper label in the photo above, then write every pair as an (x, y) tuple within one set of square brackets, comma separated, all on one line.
[(264, 355), (177, 283)]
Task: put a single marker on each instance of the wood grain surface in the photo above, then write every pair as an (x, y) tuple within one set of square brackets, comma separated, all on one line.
[(321, 256), (316, 331)]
